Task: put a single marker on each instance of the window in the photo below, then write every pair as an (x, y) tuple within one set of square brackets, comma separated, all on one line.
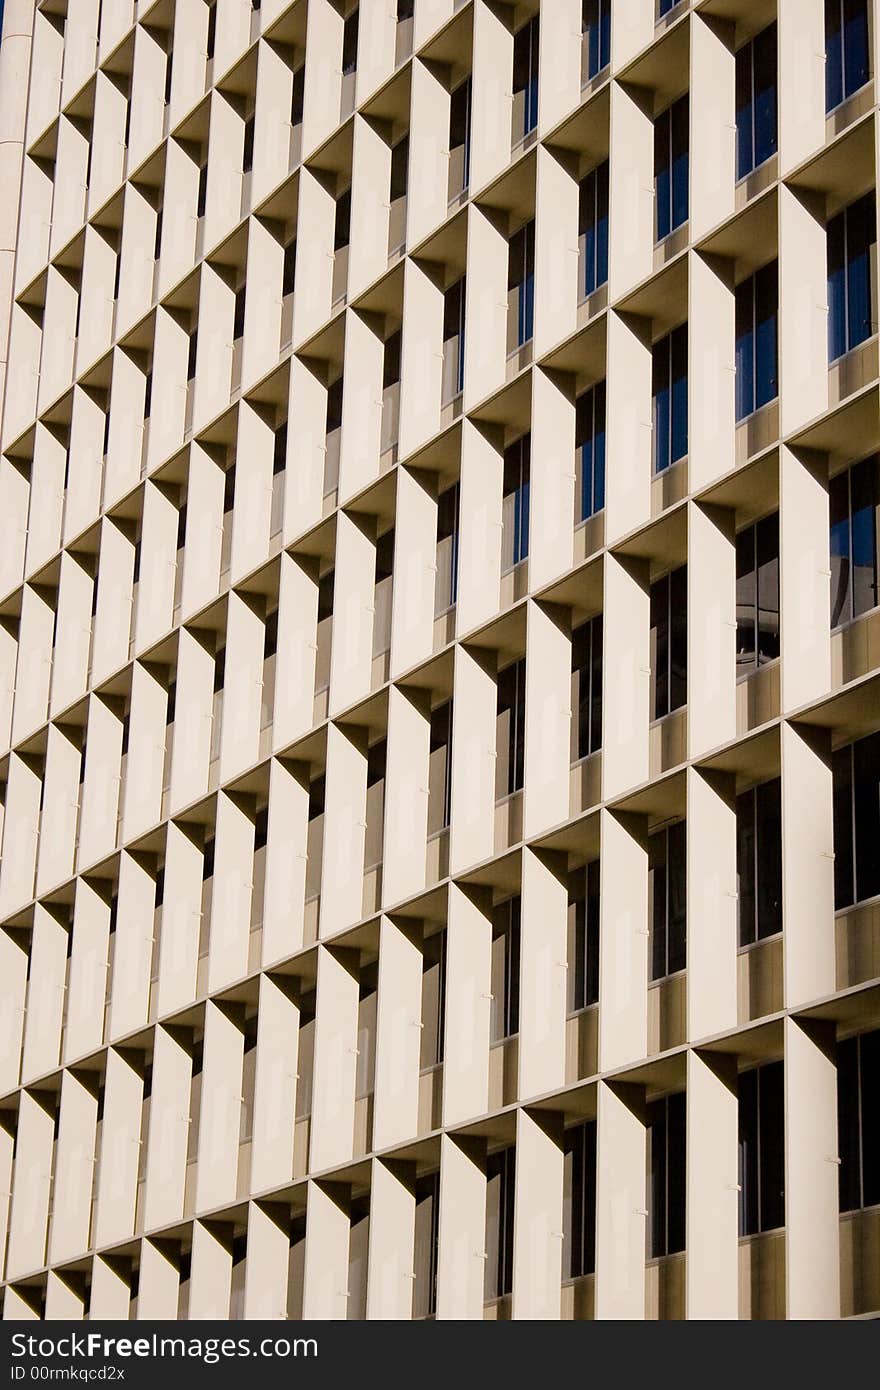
[(377, 757), (433, 1000), (247, 158), (350, 43), (202, 195), (504, 1019), (582, 959), (211, 39), (757, 304), (666, 6), (427, 1228), (856, 771), (521, 282), (297, 96), (586, 689), (288, 276), (596, 26), (852, 235), (854, 498), (440, 769), (399, 168), (525, 79), (667, 1174), (382, 593), (669, 642), (671, 168), (500, 1180), (453, 341), (667, 875), (589, 445), (238, 313), (342, 224), (579, 1201), (756, 120), (759, 862), (459, 138), (593, 229), (515, 503), (858, 1121), (761, 1150), (847, 60), (447, 550), (670, 391), (510, 729), (757, 594)]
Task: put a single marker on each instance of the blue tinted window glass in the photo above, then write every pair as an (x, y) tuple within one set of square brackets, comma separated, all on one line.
[(662, 176), (602, 224), (596, 24), (680, 162), (590, 235), (841, 572), (766, 294), (856, 68), (679, 392), (847, 51), (833, 55), (594, 228), (745, 350), (745, 112), (859, 237), (765, 58), (604, 34), (661, 406), (864, 550), (590, 441), (599, 450), (836, 287)]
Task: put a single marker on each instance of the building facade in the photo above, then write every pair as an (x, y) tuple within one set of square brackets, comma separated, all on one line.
[(440, 659)]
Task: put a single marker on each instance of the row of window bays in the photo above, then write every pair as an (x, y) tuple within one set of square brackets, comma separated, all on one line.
[(570, 1123), (848, 70), (851, 251), (221, 864), (374, 348), (250, 619)]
